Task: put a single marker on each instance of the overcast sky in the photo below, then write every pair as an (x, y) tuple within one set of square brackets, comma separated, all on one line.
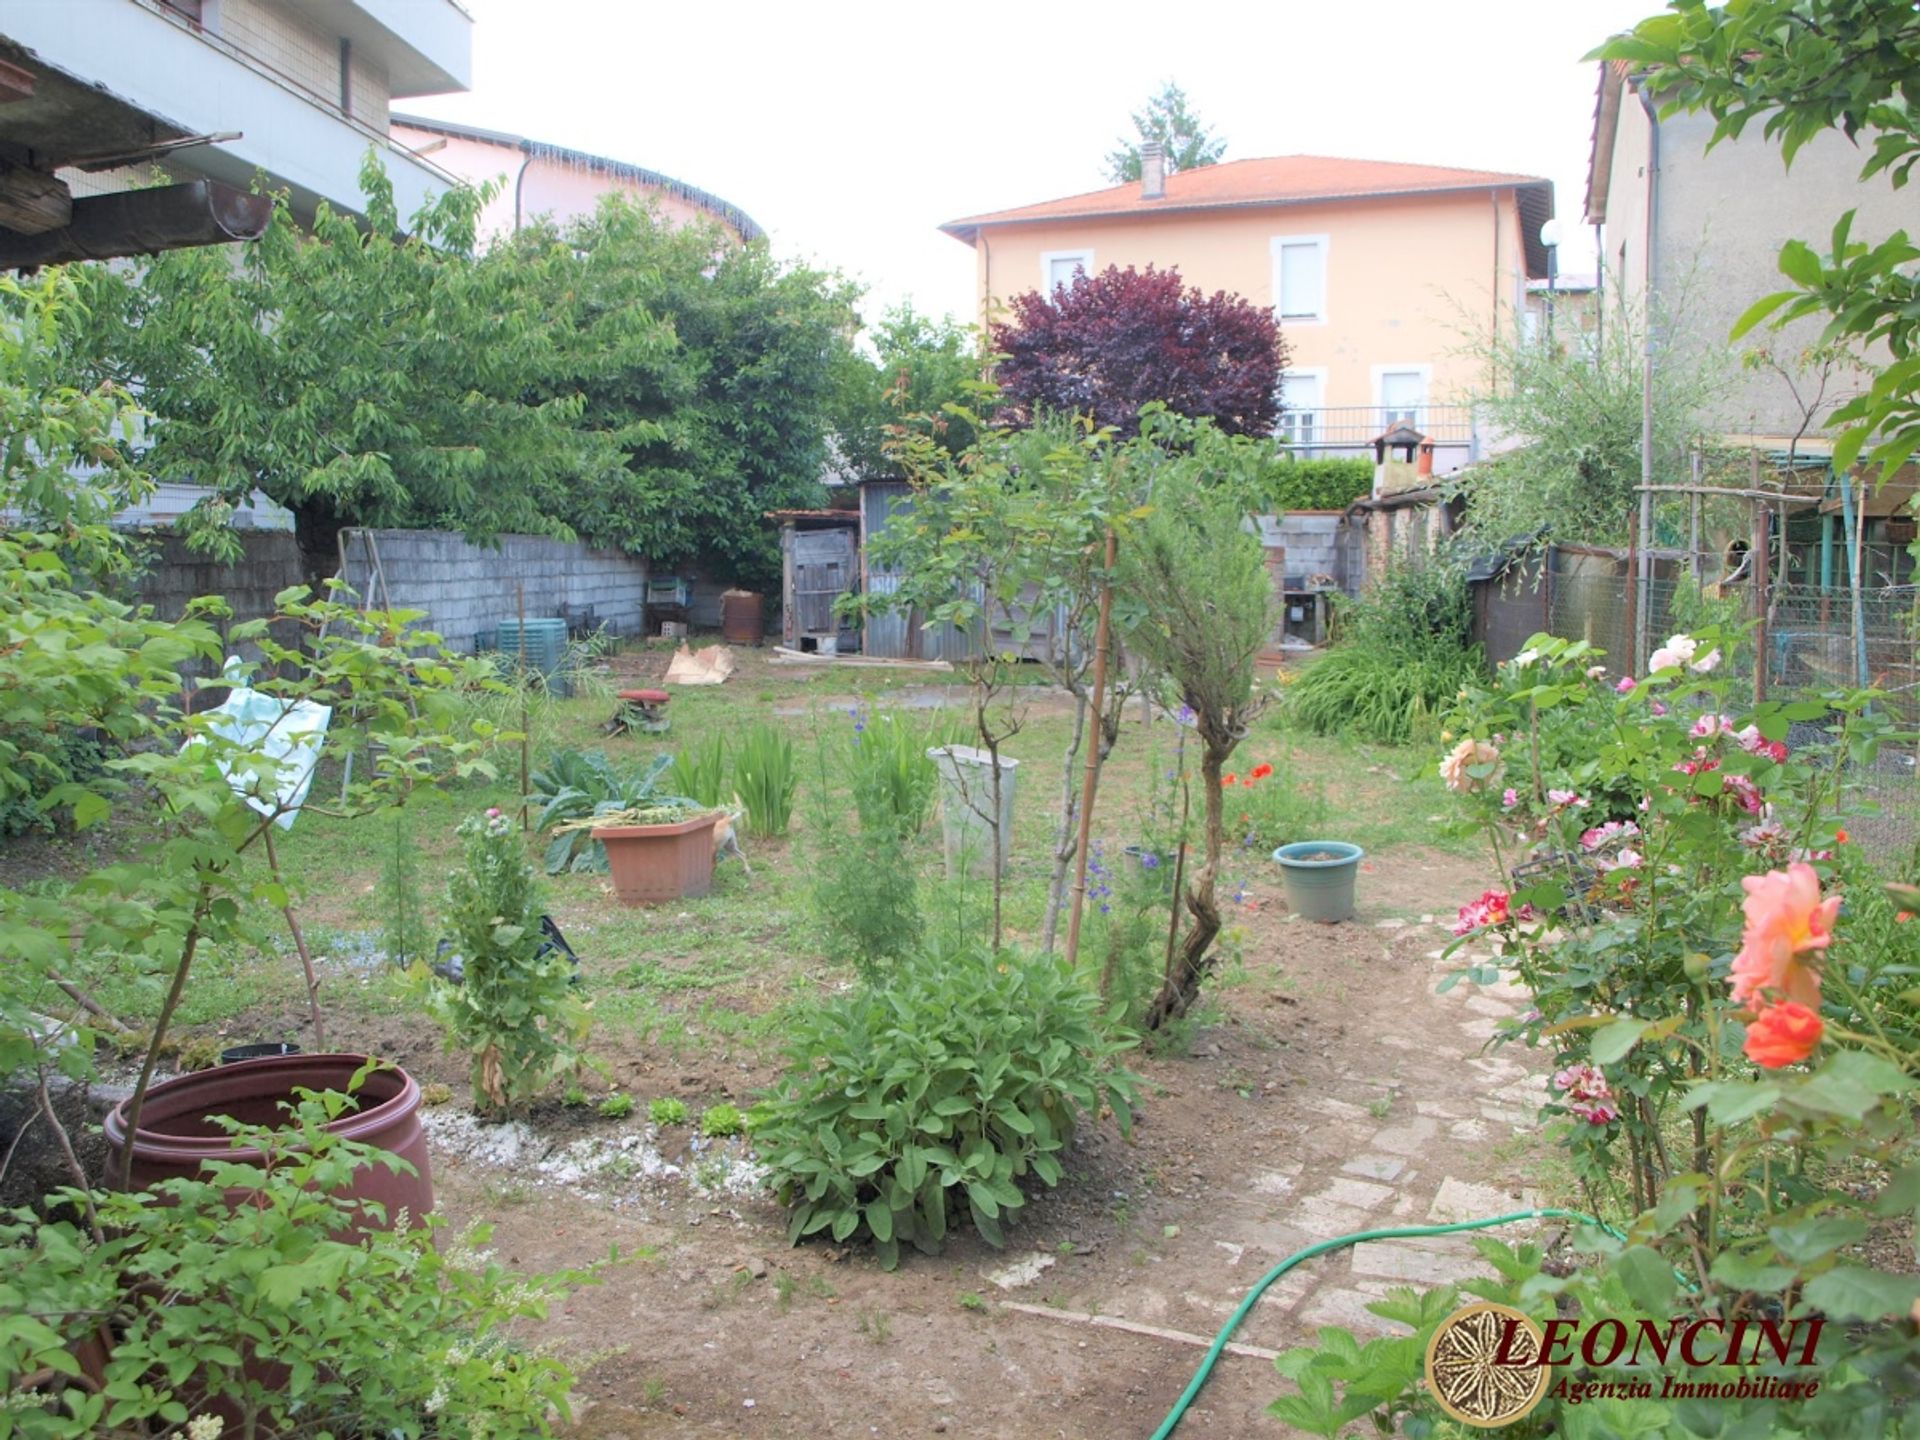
[(850, 131)]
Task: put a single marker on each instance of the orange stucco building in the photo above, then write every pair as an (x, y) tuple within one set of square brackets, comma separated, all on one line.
[(1381, 274)]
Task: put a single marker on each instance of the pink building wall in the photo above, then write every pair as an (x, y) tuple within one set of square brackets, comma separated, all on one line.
[(536, 180)]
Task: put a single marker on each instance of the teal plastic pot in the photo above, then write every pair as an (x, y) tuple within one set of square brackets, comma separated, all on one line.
[(1319, 877)]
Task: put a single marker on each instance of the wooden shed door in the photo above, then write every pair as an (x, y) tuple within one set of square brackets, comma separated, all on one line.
[(822, 571)]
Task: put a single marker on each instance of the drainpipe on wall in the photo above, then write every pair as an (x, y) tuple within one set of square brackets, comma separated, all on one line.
[(527, 146), (1645, 578), (1599, 291), (986, 299)]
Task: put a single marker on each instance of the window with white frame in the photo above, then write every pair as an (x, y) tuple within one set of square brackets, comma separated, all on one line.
[(1058, 267), (1402, 395), (1303, 396), (1300, 278)]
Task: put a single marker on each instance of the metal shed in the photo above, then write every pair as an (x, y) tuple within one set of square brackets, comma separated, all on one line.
[(904, 635)]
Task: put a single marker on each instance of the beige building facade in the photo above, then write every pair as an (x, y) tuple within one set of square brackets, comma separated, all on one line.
[(1705, 228), (1380, 274), (536, 180)]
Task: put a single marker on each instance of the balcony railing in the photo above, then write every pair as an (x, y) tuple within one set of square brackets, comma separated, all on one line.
[(1356, 427)]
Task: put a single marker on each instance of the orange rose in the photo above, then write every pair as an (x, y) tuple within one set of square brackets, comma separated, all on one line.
[(1786, 919), (1783, 1034)]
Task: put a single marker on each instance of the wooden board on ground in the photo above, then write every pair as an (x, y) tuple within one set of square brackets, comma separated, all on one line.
[(784, 656)]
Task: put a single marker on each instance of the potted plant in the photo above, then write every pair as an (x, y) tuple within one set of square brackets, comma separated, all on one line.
[(656, 845), (1319, 877), (657, 853)]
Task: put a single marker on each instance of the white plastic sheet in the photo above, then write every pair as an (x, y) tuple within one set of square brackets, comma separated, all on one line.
[(289, 733)]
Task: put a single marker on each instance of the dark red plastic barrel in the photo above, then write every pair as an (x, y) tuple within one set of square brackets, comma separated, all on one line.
[(177, 1134)]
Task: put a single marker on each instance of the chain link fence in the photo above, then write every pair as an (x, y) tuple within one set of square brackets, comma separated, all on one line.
[(1811, 642)]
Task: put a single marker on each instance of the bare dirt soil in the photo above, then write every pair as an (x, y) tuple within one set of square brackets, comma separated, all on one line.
[(1337, 1092)]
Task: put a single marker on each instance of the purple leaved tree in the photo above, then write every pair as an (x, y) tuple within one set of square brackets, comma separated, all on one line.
[(1110, 343)]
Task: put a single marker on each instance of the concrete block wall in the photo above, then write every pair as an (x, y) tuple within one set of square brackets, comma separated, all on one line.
[(467, 588), (173, 574), (1315, 543)]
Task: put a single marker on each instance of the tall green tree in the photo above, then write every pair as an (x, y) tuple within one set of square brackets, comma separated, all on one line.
[(918, 378), (1184, 138), (713, 367), (1207, 606), (357, 376), (621, 380), (1008, 538), (1576, 414), (1800, 68)]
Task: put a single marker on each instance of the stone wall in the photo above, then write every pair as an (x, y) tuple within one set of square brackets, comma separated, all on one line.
[(466, 588)]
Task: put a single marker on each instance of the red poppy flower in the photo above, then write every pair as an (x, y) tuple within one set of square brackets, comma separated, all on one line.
[(1262, 770), (1231, 780)]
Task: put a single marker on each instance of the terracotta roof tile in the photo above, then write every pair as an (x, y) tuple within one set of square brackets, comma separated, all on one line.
[(1277, 180)]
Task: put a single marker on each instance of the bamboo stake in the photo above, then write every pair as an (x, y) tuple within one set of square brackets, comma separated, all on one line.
[(1179, 874), (299, 942), (1635, 649), (520, 675), (1762, 598), (1859, 608), (1091, 782)]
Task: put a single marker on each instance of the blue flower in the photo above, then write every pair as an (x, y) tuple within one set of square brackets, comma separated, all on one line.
[(1184, 715), (1150, 861)]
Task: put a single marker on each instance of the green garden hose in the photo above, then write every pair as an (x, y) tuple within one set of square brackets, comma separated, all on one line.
[(1400, 1232)]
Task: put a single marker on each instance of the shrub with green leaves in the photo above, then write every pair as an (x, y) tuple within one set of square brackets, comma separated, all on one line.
[(719, 1121), (1405, 650), (515, 1011), (763, 778), (667, 1111), (43, 761), (892, 774), (865, 884), (1320, 483), (299, 1313), (917, 1105)]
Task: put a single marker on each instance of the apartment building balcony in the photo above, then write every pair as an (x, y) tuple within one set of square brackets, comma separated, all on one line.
[(1350, 430), (295, 89)]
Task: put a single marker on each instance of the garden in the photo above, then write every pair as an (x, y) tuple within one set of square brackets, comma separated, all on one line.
[(1118, 1032), (826, 1112), (959, 1054)]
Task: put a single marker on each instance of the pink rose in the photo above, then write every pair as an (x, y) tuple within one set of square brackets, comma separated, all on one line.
[(1786, 919)]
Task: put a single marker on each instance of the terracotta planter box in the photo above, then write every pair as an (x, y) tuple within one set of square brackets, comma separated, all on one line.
[(652, 864)]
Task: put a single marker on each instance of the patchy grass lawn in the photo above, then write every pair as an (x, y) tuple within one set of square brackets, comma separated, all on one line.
[(727, 965)]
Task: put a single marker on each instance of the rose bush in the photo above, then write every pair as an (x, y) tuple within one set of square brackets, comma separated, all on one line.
[(1726, 991)]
